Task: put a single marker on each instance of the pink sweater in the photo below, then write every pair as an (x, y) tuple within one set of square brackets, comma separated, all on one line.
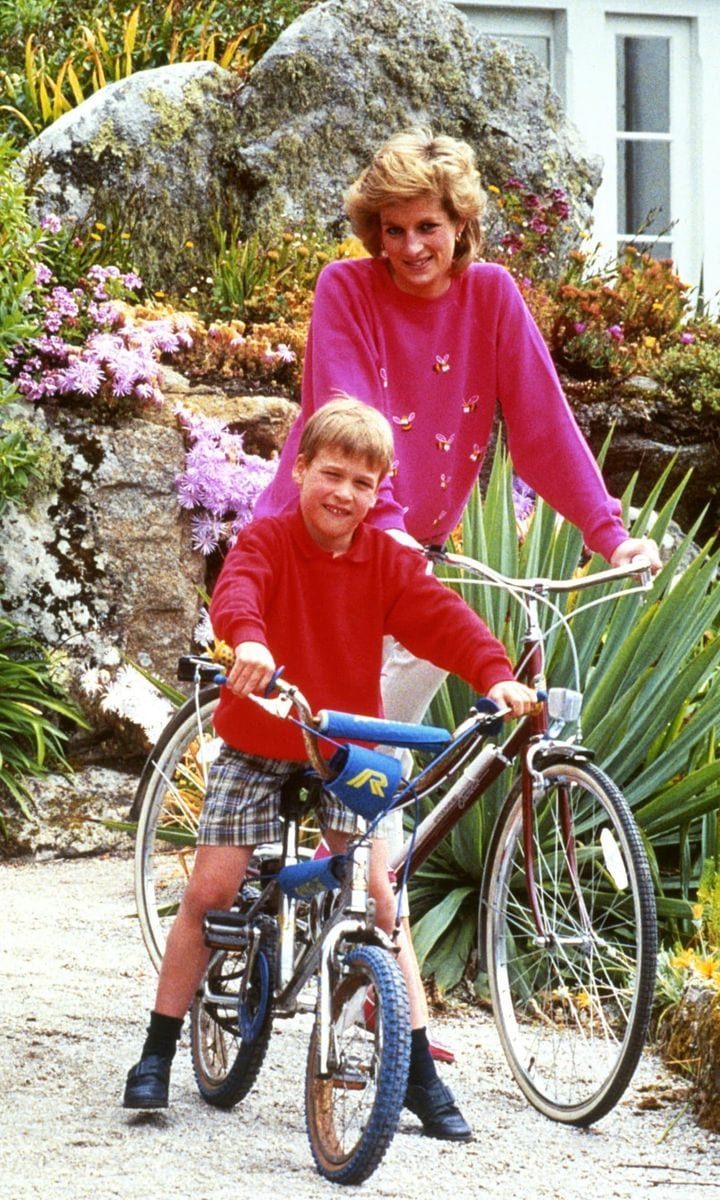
[(324, 619), (436, 368)]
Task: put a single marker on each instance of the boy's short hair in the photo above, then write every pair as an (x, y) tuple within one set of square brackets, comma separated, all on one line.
[(355, 428)]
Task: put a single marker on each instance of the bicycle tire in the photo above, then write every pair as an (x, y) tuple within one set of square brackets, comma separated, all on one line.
[(226, 1063), (572, 1013), (352, 1112), (167, 805)]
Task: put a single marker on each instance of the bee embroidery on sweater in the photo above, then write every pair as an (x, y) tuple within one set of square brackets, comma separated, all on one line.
[(442, 442), (383, 376), (444, 480), (441, 364), (440, 517), (476, 452), (394, 468), (470, 405), (405, 422)]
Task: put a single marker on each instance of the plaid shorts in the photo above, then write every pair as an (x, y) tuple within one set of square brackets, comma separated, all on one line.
[(242, 802)]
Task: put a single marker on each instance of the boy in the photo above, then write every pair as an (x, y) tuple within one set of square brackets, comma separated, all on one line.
[(315, 590)]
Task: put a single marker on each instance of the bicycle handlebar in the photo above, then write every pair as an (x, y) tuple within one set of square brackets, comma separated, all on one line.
[(639, 566)]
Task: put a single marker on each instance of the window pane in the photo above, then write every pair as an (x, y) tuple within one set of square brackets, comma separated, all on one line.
[(643, 84), (539, 46), (643, 187), (654, 249)]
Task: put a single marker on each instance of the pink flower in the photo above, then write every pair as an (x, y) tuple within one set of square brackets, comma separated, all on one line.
[(614, 331), (687, 338)]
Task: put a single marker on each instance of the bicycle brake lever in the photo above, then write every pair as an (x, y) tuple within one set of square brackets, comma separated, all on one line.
[(280, 706)]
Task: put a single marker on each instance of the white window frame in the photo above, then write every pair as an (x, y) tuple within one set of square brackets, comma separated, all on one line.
[(583, 67)]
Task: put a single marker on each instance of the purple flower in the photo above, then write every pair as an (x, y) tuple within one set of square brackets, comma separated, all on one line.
[(615, 331), (687, 338), (51, 222), (523, 499), (83, 375), (538, 226), (579, 326), (43, 274)]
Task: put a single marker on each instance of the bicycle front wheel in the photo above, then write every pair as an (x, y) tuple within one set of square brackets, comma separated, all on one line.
[(352, 1109), (167, 805), (571, 984)]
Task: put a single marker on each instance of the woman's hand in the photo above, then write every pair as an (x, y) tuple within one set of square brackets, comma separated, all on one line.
[(510, 694), (632, 548), (252, 670)]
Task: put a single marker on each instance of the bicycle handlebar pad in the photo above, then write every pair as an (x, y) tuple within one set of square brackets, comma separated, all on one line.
[(386, 733)]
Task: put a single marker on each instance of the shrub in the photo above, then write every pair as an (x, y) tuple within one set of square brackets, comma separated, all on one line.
[(32, 705), (650, 672)]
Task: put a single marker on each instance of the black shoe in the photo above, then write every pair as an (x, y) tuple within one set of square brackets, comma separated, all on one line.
[(148, 1083), (435, 1106)]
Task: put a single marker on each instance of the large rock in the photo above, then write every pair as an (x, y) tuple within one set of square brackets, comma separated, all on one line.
[(154, 151), (102, 567), (169, 150), (349, 73)]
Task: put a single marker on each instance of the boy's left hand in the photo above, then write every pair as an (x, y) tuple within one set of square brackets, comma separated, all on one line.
[(510, 694)]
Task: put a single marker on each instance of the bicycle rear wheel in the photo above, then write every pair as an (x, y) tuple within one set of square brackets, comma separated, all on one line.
[(572, 1003), (167, 805), (352, 1111)]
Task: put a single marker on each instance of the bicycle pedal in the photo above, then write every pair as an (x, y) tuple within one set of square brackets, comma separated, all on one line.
[(349, 1081), (225, 930)]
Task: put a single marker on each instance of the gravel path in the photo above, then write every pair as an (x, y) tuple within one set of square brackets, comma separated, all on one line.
[(76, 985)]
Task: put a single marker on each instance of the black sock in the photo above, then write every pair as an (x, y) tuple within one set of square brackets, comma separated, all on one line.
[(162, 1035), (422, 1065)]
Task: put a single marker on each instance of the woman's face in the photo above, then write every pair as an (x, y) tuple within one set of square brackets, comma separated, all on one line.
[(418, 240)]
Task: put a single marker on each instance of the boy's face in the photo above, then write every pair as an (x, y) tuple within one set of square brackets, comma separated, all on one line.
[(336, 492)]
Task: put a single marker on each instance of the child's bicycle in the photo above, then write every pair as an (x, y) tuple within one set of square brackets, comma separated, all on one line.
[(567, 930)]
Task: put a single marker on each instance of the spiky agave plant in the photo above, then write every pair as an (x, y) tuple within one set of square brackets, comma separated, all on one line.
[(649, 670)]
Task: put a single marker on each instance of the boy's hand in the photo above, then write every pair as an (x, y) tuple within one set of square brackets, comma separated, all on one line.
[(510, 694), (252, 670)]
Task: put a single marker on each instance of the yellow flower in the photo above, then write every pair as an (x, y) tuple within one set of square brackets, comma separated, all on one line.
[(650, 342), (273, 255), (189, 245), (99, 225), (95, 237), (159, 295), (491, 188), (125, 237), (697, 909)]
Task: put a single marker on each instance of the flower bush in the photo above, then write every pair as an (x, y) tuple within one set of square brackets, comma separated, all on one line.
[(91, 354), (220, 483)]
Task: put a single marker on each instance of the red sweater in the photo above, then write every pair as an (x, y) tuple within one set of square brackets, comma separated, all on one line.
[(323, 618)]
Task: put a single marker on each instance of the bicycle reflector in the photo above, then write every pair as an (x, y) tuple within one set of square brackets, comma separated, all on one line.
[(366, 780)]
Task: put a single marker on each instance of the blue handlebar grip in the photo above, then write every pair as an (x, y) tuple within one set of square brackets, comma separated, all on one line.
[(273, 680), (220, 678), (541, 695)]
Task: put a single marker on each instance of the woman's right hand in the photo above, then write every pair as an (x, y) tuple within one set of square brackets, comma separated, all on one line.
[(252, 670)]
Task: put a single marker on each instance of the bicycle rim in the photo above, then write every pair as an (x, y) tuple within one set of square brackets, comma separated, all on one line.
[(168, 802), (572, 1007), (352, 1111)]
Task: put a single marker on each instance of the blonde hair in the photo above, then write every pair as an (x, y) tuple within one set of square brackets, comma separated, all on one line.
[(414, 164), (354, 428)]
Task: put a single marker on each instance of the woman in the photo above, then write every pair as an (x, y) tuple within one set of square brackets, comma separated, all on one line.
[(435, 339)]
